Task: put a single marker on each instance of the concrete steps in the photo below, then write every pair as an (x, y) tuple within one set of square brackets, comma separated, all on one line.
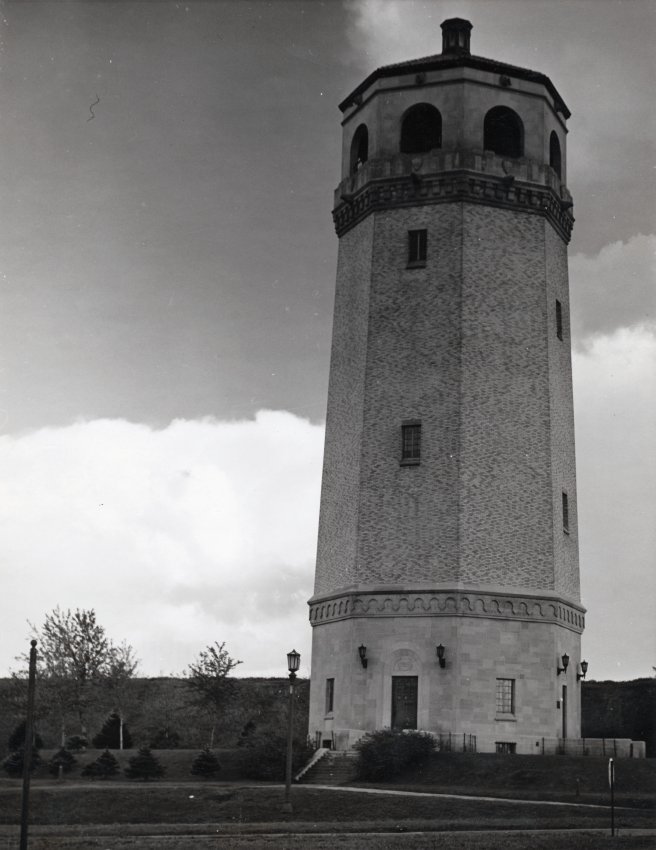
[(333, 768)]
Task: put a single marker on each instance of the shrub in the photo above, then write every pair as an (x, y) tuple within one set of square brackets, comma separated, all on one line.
[(144, 766), (165, 739), (13, 764), (102, 768), (247, 732), (76, 743), (17, 738), (206, 764), (265, 756), (62, 758), (109, 736), (384, 754)]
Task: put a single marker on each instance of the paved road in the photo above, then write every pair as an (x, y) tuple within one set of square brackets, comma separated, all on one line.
[(462, 840)]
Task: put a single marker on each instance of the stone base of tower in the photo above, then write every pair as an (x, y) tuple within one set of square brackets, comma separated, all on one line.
[(499, 685)]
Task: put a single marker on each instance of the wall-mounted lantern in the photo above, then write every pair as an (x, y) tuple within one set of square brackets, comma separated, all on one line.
[(440, 656), (362, 652), (565, 661), (584, 670)]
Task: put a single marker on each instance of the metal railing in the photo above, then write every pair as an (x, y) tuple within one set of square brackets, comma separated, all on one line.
[(455, 742)]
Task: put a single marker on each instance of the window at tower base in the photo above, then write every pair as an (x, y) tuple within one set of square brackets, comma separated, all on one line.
[(505, 696), (410, 443), (330, 695)]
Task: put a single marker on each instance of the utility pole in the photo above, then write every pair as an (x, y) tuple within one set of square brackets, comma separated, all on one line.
[(27, 750)]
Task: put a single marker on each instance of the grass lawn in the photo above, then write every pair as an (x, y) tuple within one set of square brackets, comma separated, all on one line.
[(534, 778), (168, 803), (181, 811)]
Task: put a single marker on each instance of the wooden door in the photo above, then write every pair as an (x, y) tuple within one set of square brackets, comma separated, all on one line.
[(404, 702)]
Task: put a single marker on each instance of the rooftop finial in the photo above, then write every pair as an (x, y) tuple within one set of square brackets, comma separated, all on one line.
[(456, 33)]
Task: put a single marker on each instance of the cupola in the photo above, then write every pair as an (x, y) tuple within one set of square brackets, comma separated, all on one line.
[(456, 34)]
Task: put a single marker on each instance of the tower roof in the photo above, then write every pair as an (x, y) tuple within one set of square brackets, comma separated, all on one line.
[(454, 56)]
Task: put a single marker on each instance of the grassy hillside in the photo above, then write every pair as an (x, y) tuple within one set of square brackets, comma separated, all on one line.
[(161, 712), (620, 710)]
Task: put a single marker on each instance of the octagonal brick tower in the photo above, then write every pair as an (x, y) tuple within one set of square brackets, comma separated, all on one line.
[(448, 507)]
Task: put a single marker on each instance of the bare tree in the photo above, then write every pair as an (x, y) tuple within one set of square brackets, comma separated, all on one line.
[(121, 667), (75, 656), (208, 679)]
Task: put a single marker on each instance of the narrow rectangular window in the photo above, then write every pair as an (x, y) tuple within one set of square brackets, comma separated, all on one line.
[(505, 696), (559, 319), (565, 513), (330, 695), (417, 243), (411, 442)]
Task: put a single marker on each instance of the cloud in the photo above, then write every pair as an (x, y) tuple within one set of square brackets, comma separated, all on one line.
[(615, 414), (376, 30), (613, 289), (201, 531)]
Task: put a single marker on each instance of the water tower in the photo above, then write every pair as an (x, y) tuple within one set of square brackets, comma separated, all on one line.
[(447, 583)]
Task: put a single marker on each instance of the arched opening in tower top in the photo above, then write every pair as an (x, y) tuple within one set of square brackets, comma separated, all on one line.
[(555, 158), (359, 148), (503, 132), (421, 129)]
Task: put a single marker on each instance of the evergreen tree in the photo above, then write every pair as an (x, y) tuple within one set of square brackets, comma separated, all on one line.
[(61, 759), (103, 767), (17, 738), (144, 766), (76, 743), (109, 736), (13, 764), (206, 764)]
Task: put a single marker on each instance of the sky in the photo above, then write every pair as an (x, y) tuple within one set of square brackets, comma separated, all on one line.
[(167, 268)]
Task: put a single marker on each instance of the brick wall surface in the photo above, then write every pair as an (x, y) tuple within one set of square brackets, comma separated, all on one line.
[(505, 484), (338, 519), (408, 519), (468, 346), (566, 558)]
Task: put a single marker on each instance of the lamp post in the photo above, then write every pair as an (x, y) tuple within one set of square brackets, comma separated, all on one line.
[(293, 661)]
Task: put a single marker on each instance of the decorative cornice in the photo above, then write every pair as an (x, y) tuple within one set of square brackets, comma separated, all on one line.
[(448, 603), (453, 187), (446, 177), (443, 62)]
